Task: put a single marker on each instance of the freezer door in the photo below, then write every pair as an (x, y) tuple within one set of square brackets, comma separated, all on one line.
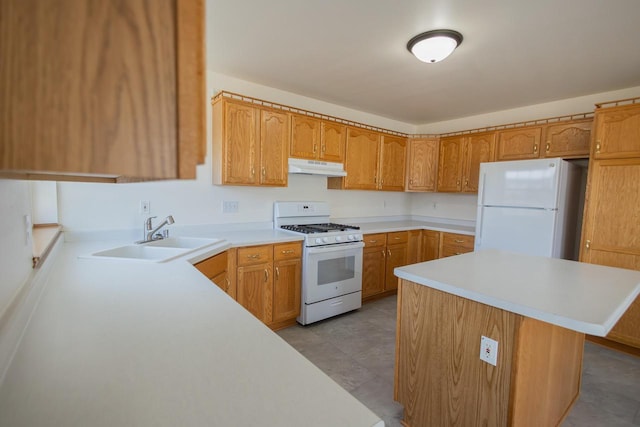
[(522, 183), (522, 230)]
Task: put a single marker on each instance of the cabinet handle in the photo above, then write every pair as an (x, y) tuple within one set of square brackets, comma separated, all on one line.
[(373, 241), (411, 181), (598, 146), (588, 244), (277, 273), (535, 148), (315, 147), (396, 238), (288, 251), (264, 171), (458, 253), (375, 179), (389, 252), (324, 148), (384, 255), (253, 171), (548, 146), (466, 182), (458, 182), (266, 275), (228, 284), (253, 256), (458, 241)]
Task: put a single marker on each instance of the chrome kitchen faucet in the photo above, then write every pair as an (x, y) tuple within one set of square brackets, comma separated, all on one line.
[(150, 234)]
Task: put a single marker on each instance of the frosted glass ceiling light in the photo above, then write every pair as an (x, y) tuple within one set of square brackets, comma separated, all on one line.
[(435, 45)]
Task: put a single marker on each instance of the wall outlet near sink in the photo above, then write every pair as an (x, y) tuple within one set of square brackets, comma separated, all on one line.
[(229, 206)]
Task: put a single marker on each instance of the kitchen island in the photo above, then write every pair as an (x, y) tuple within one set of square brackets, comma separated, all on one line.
[(537, 309)]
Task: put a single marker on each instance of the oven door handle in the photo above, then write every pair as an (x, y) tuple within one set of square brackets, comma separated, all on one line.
[(334, 248)]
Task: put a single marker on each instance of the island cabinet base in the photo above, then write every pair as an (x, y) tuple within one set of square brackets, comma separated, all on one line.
[(441, 381)]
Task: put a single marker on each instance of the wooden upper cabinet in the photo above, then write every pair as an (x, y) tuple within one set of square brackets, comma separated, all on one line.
[(450, 164), (478, 148), (520, 143), (393, 151), (568, 140), (250, 144), (305, 137), (274, 144), (617, 132), (361, 159), (89, 89), (332, 141), (422, 164)]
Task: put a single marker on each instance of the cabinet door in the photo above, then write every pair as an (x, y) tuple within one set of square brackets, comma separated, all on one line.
[(423, 164), (332, 141), (240, 145), (430, 245), (568, 140), (305, 137), (373, 268), (414, 247), (617, 132), (450, 164), (611, 230), (393, 154), (479, 148), (361, 159), (396, 257), (102, 88), (255, 290), (286, 289), (455, 244), (274, 148), (518, 144)]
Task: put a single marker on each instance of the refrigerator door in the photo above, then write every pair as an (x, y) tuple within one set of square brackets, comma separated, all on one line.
[(522, 183), (522, 230)]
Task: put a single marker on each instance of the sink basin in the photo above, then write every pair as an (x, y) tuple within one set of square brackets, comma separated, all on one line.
[(183, 243), (141, 252), (156, 251)]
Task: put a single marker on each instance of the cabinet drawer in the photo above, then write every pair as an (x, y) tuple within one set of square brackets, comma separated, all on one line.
[(449, 250), (214, 266), (254, 255), (461, 240), (373, 240), (291, 250), (397, 237)]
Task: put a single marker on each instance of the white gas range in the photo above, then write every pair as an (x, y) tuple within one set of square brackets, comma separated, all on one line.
[(331, 263)]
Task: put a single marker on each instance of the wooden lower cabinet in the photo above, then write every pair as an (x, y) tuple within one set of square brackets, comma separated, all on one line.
[(430, 248), (373, 271), (441, 381), (382, 253), (455, 244), (414, 247), (215, 268), (268, 280)]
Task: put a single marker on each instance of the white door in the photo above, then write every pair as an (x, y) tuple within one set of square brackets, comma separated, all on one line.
[(522, 230), (522, 183)]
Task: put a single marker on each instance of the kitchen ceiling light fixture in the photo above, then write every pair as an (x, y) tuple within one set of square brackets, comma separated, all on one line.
[(434, 45)]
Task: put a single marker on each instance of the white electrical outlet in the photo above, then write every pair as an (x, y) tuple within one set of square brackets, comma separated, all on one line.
[(229, 206), (145, 207), (28, 225), (489, 350)]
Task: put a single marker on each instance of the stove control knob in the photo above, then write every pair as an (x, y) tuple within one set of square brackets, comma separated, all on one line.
[(351, 237), (319, 241), (338, 238), (325, 239)]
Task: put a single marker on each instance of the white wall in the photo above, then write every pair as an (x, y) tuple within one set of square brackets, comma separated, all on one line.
[(15, 253), (565, 107)]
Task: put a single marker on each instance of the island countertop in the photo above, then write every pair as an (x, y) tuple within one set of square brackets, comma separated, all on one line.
[(582, 297)]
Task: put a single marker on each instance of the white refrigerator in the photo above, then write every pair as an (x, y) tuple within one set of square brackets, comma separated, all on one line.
[(529, 206)]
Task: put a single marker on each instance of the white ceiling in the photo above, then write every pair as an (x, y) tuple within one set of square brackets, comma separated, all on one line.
[(353, 52)]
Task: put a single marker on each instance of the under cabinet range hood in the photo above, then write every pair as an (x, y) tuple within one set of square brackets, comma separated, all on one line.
[(315, 167)]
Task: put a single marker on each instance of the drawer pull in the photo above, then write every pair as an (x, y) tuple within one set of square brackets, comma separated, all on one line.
[(254, 256), (373, 241), (458, 241), (535, 148), (548, 147), (396, 238), (288, 251), (458, 253)]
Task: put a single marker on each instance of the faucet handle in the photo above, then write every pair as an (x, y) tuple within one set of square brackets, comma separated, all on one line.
[(149, 223)]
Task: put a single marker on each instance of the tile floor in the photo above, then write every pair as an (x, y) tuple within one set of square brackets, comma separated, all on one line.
[(357, 350)]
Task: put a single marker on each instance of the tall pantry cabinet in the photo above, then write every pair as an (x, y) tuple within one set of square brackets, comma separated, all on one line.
[(611, 227)]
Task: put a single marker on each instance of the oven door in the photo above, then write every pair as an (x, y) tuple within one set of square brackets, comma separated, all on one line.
[(331, 271)]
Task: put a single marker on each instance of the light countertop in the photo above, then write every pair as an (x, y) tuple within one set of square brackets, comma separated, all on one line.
[(582, 297), (403, 225), (156, 344)]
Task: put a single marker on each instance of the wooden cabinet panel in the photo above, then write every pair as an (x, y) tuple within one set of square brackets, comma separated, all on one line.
[(396, 257), (414, 247), (450, 164), (286, 289), (255, 290), (520, 143), (240, 145), (222, 280), (274, 147), (361, 159), (373, 271), (455, 244), (291, 250), (617, 132), (430, 245), (89, 89), (254, 255), (332, 142), (422, 171), (305, 137), (568, 140), (397, 237), (478, 148), (393, 152), (377, 240), (215, 269)]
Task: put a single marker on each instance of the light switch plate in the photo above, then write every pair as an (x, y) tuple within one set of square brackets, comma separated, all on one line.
[(489, 350), (230, 206)]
